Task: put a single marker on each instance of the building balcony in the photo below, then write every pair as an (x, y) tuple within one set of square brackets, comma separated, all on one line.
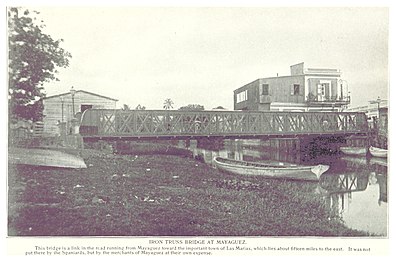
[(328, 100)]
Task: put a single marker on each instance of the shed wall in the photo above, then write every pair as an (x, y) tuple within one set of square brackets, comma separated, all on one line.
[(53, 108)]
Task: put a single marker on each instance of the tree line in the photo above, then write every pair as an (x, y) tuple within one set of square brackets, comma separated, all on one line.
[(168, 104), (33, 59)]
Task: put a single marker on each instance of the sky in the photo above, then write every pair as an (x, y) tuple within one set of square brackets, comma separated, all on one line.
[(197, 55)]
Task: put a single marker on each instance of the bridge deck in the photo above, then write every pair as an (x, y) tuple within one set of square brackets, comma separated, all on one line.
[(107, 124)]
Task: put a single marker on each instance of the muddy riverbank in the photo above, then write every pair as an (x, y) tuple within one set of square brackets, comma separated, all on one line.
[(160, 195)]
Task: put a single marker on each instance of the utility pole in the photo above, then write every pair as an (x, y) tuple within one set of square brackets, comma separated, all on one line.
[(73, 93)]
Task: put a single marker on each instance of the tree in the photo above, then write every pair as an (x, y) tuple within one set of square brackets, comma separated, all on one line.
[(125, 107), (33, 59), (139, 107), (219, 108), (192, 107), (168, 104)]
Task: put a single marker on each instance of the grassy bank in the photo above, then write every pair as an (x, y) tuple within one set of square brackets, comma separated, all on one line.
[(152, 195)]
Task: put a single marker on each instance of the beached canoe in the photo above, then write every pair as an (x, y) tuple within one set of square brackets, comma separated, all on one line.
[(355, 161), (44, 157), (354, 150), (379, 161), (288, 171), (378, 152)]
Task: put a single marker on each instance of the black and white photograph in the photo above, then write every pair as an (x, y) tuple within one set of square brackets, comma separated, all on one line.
[(197, 130)]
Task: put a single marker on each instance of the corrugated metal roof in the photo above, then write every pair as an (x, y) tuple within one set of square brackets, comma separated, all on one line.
[(80, 91)]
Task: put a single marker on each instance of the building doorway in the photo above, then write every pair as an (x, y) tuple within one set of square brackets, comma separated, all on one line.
[(85, 107), (324, 90)]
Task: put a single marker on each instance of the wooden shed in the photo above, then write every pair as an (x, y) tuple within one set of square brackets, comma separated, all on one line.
[(59, 108)]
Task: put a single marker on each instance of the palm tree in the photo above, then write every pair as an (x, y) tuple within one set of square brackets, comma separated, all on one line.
[(139, 107), (168, 104), (125, 107)]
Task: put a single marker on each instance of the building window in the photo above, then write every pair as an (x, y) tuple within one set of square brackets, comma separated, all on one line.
[(242, 96), (85, 107), (265, 90), (296, 89)]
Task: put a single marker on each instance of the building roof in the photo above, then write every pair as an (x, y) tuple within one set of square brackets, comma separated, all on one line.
[(80, 91)]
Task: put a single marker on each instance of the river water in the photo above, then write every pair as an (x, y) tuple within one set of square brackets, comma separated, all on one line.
[(354, 188)]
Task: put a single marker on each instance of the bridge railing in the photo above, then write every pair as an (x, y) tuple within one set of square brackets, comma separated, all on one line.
[(124, 123)]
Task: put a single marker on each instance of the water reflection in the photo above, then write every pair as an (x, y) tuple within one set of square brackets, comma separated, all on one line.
[(354, 188), (343, 183)]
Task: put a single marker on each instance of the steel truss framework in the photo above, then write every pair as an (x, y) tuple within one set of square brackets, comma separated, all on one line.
[(177, 123), (345, 183)]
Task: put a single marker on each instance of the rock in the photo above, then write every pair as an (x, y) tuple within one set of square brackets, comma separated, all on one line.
[(97, 200), (31, 181), (80, 201), (115, 177)]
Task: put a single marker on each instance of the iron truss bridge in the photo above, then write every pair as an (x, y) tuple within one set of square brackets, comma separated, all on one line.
[(168, 124)]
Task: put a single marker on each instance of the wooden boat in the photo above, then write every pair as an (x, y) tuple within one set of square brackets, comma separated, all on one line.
[(289, 171), (378, 152), (355, 160), (378, 161), (44, 157), (354, 150)]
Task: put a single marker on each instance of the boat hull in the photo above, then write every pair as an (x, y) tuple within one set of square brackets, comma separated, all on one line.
[(379, 161), (310, 173), (378, 152), (44, 157), (357, 151)]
